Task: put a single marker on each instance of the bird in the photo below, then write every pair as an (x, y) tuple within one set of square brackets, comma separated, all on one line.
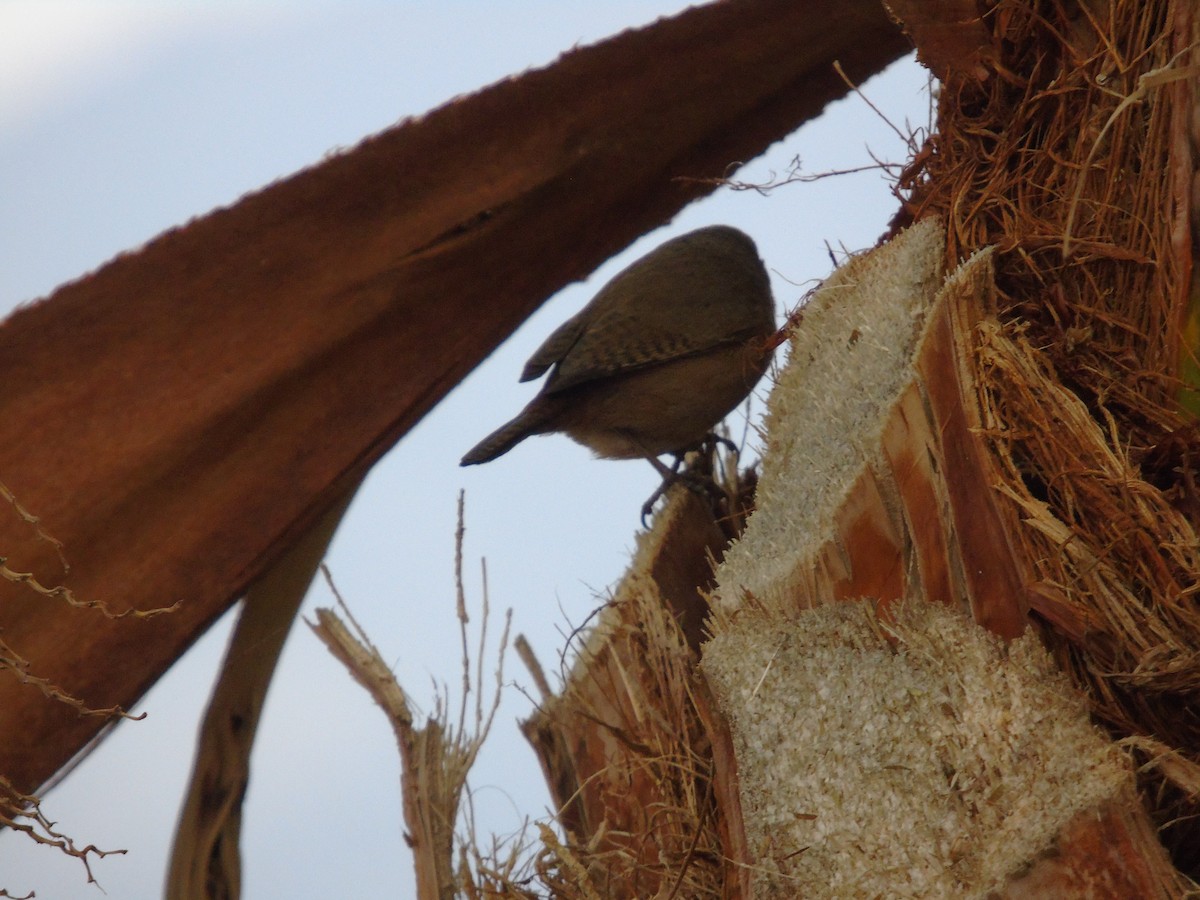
[(662, 353)]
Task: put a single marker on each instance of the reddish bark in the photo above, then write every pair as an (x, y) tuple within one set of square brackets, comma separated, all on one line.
[(178, 417)]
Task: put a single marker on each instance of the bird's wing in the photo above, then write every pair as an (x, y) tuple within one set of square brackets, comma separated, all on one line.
[(662, 308), (555, 347), (616, 346)]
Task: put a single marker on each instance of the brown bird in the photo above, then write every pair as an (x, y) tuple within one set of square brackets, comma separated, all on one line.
[(662, 354)]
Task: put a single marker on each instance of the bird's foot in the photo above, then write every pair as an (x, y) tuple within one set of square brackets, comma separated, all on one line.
[(699, 481), (670, 474)]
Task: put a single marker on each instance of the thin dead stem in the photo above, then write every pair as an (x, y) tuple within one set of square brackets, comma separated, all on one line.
[(23, 814), (437, 757)]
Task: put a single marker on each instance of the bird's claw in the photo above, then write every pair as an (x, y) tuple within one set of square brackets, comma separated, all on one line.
[(699, 483)]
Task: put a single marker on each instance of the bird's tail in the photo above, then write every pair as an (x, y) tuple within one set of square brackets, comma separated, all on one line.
[(532, 420)]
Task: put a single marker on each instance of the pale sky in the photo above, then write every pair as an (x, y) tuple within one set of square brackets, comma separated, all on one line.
[(121, 119)]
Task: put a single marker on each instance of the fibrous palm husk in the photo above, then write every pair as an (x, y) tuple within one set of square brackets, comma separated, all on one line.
[(1071, 153)]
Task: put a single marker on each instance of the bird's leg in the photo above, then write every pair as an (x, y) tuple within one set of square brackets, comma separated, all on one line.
[(669, 477), (713, 438), (669, 473), (699, 477)]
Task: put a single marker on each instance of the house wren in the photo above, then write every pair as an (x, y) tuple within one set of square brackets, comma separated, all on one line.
[(657, 358)]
